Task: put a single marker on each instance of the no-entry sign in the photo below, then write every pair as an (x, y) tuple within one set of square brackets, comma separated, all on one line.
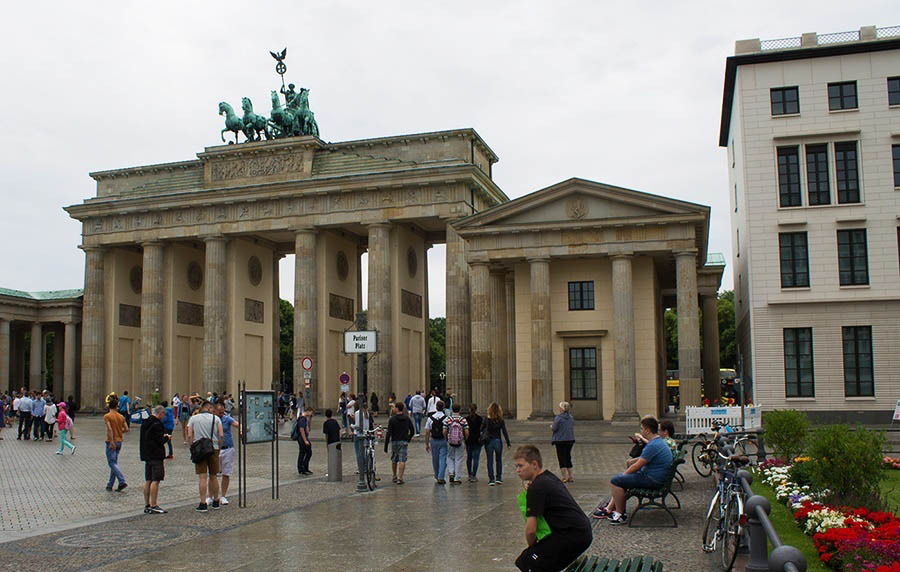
[(306, 363)]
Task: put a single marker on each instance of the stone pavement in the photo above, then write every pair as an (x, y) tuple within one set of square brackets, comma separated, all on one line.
[(55, 513)]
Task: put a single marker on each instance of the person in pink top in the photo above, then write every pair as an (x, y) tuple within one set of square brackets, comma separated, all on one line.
[(63, 424)]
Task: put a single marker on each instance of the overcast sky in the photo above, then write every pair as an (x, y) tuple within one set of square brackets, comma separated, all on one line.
[(626, 93)]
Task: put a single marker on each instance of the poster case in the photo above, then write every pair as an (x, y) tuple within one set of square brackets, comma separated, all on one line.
[(260, 416)]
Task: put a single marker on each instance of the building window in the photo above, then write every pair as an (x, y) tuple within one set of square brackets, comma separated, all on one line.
[(583, 373), (817, 174), (858, 378), (846, 172), (785, 100), (798, 362), (895, 153), (842, 95), (581, 295), (789, 176), (852, 257), (794, 259), (893, 90)]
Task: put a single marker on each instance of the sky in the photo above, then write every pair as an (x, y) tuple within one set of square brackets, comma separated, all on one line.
[(625, 93)]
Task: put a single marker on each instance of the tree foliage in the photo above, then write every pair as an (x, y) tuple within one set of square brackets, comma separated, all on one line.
[(437, 344), (727, 342), (286, 343)]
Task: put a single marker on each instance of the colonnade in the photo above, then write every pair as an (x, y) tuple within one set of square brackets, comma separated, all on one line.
[(13, 374)]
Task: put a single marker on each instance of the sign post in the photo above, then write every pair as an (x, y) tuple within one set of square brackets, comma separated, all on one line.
[(258, 413)]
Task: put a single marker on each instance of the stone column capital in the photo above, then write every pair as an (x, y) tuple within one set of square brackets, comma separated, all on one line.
[(306, 230), (383, 224), (153, 242), (479, 263), (537, 259), (215, 238), (622, 256), (685, 252), (91, 247)]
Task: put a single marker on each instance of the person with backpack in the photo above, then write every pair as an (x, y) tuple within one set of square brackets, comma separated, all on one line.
[(456, 431), (300, 434), (63, 425), (493, 427), (436, 444), (473, 442)]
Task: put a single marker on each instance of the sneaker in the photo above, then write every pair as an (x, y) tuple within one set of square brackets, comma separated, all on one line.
[(394, 480), (223, 500), (59, 452), (109, 488), (215, 504), (471, 479), (498, 482), (170, 457), (452, 478), (202, 507), (73, 449), (490, 484), (121, 487), (307, 473), (399, 481), (456, 482), (616, 518), (146, 509), (441, 482), (157, 510), (600, 512), (209, 500)]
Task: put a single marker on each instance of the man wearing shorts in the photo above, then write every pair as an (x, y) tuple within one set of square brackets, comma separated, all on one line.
[(645, 472), (548, 498), (153, 440), (206, 425), (226, 453), (399, 432)]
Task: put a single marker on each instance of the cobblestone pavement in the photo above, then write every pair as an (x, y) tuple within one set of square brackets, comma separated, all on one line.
[(55, 513)]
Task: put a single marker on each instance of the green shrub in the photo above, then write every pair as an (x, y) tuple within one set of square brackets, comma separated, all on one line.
[(785, 431), (802, 473), (847, 463)]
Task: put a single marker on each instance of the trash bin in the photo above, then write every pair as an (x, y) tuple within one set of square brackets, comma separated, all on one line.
[(335, 463)]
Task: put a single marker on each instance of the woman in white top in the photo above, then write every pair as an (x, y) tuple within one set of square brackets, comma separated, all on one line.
[(50, 419), (351, 411)]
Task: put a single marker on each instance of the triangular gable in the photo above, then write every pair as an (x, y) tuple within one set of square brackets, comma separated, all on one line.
[(580, 200)]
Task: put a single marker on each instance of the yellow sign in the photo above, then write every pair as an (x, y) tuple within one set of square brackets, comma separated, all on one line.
[(671, 383)]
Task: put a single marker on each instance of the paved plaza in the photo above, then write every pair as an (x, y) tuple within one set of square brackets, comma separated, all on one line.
[(55, 513)]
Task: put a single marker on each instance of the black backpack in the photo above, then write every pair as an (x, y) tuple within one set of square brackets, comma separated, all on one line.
[(437, 427)]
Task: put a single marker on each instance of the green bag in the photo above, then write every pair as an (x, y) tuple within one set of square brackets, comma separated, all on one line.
[(543, 529)]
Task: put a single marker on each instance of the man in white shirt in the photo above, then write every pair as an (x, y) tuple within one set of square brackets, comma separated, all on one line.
[(417, 408), (24, 417), (432, 402)]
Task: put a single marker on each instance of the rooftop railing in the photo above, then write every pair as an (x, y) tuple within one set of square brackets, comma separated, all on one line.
[(811, 40)]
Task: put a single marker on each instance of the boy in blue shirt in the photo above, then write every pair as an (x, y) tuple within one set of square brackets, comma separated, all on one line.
[(645, 472)]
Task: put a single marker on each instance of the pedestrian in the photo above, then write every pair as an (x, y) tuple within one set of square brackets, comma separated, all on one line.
[(64, 425), (473, 442), (282, 406), (154, 398), (37, 417), (24, 410), (362, 422), (399, 433), (168, 422), (417, 407), (373, 404), (563, 439), (351, 412), (50, 410), (331, 428), (229, 405), (226, 451), (71, 410), (300, 433), (547, 499), (3, 404), (493, 448), (456, 431), (435, 443), (432, 402), (125, 408), (184, 415), (406, 401), (116, 427), (153, 437), (205, 425), (342, 408)]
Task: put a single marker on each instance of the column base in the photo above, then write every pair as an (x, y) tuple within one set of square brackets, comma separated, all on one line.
[(625, 417), (541, 416)]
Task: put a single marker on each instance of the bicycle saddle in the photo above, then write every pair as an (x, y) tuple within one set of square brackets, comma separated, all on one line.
[(739, 459)]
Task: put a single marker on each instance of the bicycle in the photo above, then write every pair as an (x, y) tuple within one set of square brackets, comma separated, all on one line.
[(703, 453), (371, 436), (725, 516)]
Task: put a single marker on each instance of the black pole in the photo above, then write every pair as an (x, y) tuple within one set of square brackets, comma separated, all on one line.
[(362, 383)]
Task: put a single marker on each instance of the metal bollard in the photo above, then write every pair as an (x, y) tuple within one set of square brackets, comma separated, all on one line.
[(759, 554), (335, 463), (760, 448)]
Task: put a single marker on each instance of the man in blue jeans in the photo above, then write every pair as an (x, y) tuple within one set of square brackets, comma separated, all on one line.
[(435, 443), (115, 428), (645, 472)]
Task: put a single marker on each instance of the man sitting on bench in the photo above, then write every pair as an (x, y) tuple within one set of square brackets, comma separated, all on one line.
[(645, 472)]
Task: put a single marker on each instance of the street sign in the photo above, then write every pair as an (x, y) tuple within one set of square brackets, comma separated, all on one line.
[(896, 412), (344, 378), (307, 375), (306, 363), (362, 342)]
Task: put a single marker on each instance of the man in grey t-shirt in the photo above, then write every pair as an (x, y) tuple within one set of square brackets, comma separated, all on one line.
[(205, 424)]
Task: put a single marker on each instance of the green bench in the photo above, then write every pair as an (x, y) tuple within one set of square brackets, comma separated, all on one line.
[(597, 564), (656, 497)]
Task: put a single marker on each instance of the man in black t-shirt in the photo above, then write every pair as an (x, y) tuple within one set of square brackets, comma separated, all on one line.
[(331, 429), (570, 530)]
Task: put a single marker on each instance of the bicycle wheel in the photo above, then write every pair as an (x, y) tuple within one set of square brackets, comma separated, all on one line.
[(700, 459), (711, 528), (370, 469), (732, 531)]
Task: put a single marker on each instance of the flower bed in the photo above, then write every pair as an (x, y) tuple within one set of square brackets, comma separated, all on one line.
[(846, 538), (892, 463)]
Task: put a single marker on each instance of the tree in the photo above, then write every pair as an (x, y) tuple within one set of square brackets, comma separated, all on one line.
[(671, 329), (727, 341), (286, 342), (437, 338)]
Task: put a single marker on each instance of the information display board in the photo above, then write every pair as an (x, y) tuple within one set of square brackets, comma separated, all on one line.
[(260, 416)]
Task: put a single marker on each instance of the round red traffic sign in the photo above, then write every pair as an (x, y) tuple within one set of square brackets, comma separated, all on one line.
[(344, 378), (306, 363)]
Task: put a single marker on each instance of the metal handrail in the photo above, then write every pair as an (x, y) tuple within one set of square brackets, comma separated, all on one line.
[(760, 531)]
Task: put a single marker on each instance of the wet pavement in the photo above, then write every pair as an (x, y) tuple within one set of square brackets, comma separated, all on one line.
[(315, 524)]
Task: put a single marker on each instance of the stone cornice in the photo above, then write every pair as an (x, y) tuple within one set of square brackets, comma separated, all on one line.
[(157, 168), (404, 139), (553, 226)]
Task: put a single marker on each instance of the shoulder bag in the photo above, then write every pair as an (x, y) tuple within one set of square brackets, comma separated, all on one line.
[(202, 448)]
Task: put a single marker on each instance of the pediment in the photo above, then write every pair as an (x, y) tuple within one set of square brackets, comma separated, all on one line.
[(577, 200)]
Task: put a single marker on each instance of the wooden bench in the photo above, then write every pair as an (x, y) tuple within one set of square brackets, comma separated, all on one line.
[(598, 564), (656, 497)]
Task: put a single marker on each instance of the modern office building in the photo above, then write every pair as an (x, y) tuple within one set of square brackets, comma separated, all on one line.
[(812, 128)]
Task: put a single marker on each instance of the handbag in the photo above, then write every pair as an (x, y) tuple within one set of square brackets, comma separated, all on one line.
[(483, 436), (202, 449)]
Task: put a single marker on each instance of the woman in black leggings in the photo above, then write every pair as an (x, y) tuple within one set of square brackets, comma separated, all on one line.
[(563, 438)]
